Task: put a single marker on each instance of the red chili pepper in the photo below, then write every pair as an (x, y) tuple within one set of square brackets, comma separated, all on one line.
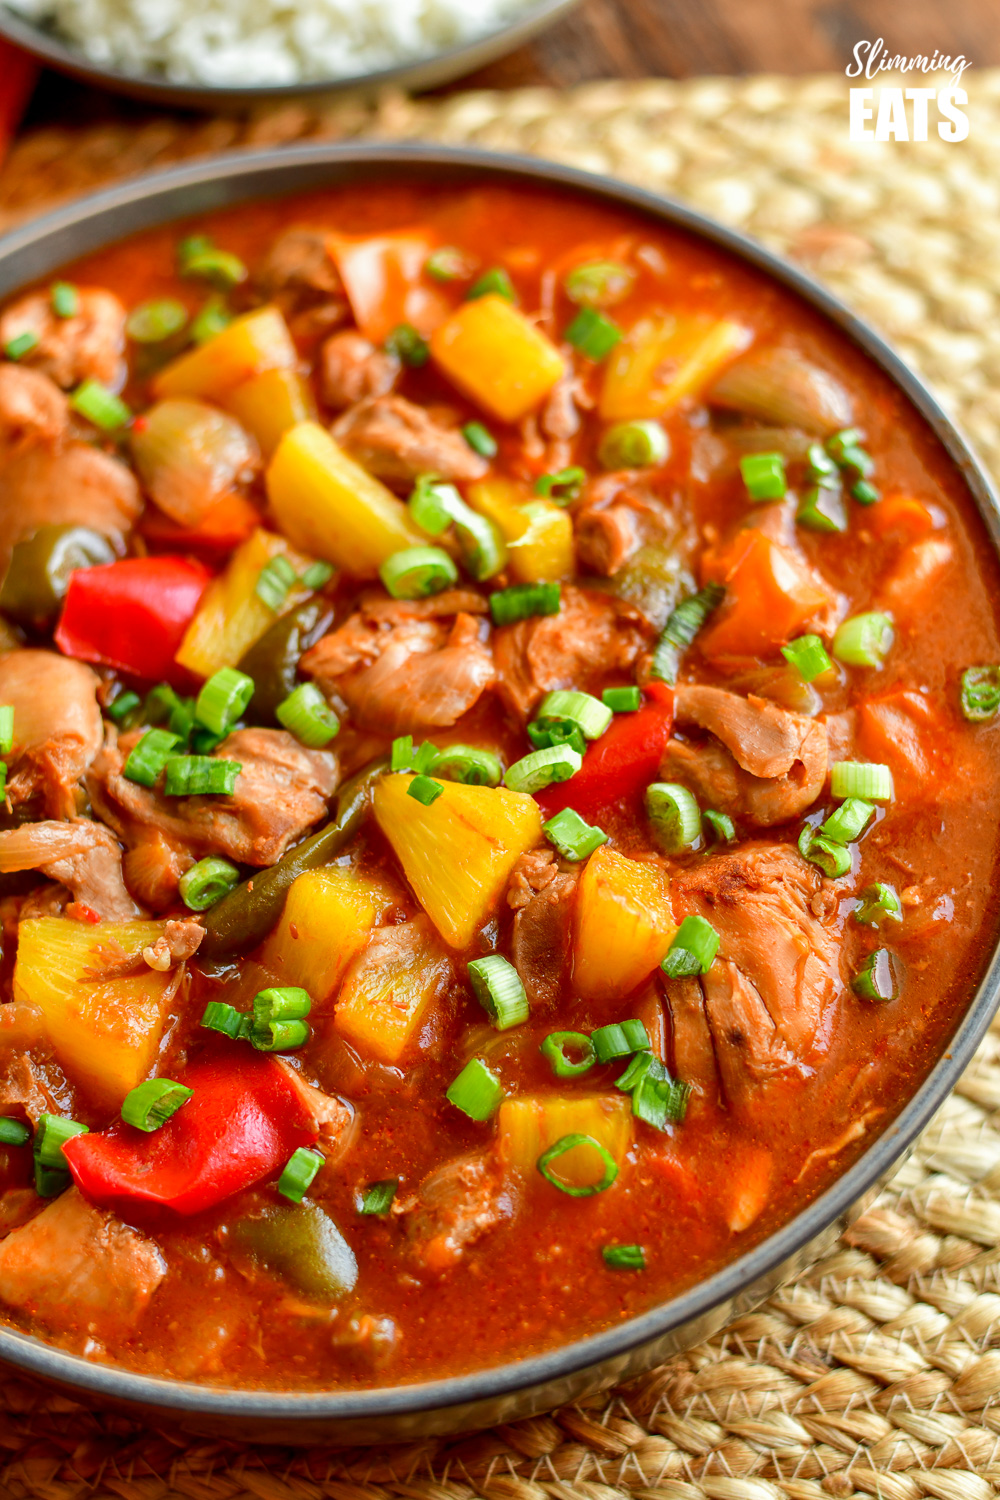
[(241, 1125), (133, 614), (621, 763)]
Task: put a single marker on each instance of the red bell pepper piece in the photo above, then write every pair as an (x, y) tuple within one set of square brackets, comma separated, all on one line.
[(621, 763), (133, 614), (243, 1122)]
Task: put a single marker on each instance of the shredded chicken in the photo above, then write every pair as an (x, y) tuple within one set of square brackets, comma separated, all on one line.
[(90, 344), (542, 897), (761, 763), (82, 855), (179, 941), (454, 1206), (619, 516), (57, 727), (299, 260), (353, 369), (334, 1119), (32, 408), (398, 441)]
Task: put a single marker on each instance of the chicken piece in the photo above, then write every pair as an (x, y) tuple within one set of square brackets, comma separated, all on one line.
[(454, 1206), (405, 668), (17, 1206), (619, 515), (763, 1012), (761, 762), (31, 1087), (179, 941), (80, 854), (281, 791), (57, 727), (77, 1269), (353, 369), (90, 344), (542, 897), (592, 635), (396, 440), (335, 1120), (299, 261), (32, 409)]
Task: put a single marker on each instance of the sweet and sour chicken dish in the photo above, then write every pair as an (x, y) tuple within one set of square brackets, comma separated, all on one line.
[(498, 709)]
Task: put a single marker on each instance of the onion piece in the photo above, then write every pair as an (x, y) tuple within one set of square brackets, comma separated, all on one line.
[(781, 685), (190, 456), (778, 385)]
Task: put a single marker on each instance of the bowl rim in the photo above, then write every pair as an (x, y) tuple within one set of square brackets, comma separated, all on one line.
[(224, 181), (426, 71)]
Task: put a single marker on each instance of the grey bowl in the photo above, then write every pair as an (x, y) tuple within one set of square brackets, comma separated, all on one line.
[(421, 73), (538, 1383)]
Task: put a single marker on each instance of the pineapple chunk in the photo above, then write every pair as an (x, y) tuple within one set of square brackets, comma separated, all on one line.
[(327, 503), (248, 346), (458, 852), (529, 1125), (538, 533), (501, 501), (389, 987), (665, 358), (269, 404), (493, 353), (328, 918), (231, 617), (104, 1034), (624, 924)]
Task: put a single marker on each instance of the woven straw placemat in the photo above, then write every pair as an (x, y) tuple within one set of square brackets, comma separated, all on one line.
[(876, 1373)]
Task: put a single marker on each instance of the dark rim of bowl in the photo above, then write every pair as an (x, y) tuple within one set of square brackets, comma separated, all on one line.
[(426, 71), (228, 180)]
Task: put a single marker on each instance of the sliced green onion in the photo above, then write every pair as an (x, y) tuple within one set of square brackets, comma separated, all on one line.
[(624, 1257), (151, 1104), (223, 699), (476, 1091), (980, 696), (14, 1132), (542, 768), (877, 904), (288, 1002), (433, 504), (161, 703), (522, 601), (204, 741), (840, 442), (417, 572), (834, 859), (7, 727), (152, 322), (424, 789), (719, 826), (218, 1016), (65, 300), (555, 1047), (681, 628), (3, 780), (556, 732), (378, 1197), (220, 267), (594, 334), (856, 460), (620, 1039), (764, 475), (119, 710), (279, 1036), (808, 656), (401, 754), (484, 551), (592, 716), (634, 445), (864, 640), (876, 979), (447, 264), (657, 1099), (496, 281), (858, 778), (569, 1143), (599, 283), (207, 882), (50, 1181), (201, 776), (306, 714), (693, 949), (299, 1171), (424, 758), (674, 814), (100, 406), (469, 765), (865, 493), (822, 509), (497, 986), (638, 1066), (562, 488), (408, 345), (574, 838), (51, 1134), (149, 755), (317, 574), (191, 244), (622, 700), (480, 439), (22, 345), (848, 822), (820, 467), (274, 581), (211, 318)]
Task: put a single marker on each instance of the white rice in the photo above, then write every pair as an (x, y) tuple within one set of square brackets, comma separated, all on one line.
[(243, 43)]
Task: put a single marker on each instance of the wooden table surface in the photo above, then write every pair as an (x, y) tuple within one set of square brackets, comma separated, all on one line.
[(678, 39)]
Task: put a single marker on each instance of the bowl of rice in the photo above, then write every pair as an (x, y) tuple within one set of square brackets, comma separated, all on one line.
[(218, 54)]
